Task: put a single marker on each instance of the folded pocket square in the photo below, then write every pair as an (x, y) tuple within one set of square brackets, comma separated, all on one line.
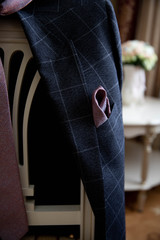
[(100, 106), (10, 6)]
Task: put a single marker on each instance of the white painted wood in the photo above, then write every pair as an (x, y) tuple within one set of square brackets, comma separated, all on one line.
[(24, 170), (141, 163), (145, 114), (87, 219), (133, 161), (55, 215), (16, 99)]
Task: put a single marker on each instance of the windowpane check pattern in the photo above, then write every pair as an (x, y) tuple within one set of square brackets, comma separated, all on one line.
[(77, 47)]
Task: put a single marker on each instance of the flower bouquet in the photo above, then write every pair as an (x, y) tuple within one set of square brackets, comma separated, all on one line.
[(139, 53)]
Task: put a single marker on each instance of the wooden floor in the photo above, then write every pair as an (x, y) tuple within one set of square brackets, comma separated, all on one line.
[(143, 225), (139, 225)]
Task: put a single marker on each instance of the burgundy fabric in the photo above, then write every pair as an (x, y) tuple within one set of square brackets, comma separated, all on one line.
[(100, 106), (13, 220), (10, 6)]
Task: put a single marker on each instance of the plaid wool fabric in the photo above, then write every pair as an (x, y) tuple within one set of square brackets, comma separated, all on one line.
[(77, 47)]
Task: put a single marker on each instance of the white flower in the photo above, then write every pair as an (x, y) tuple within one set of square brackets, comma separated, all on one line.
[(139, 53)]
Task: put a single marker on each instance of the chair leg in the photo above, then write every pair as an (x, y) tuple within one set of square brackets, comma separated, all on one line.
[(87, 218), (142, 195)]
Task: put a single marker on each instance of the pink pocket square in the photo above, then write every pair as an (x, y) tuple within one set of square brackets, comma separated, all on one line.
[(100, 106)]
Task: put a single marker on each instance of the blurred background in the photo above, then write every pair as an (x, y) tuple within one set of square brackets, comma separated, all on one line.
[(140, 20)]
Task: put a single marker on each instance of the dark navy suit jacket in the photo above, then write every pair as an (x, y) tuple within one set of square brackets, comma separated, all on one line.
[(77, 47)]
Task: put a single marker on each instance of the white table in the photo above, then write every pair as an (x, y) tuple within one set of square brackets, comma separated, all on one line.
[(142, 165)]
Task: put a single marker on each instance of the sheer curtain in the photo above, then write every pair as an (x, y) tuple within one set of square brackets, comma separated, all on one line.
[(126, 11), (148, 29), (141, 20)]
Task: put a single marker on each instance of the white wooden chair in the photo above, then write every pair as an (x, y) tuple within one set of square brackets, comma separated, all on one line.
[(12, 41)]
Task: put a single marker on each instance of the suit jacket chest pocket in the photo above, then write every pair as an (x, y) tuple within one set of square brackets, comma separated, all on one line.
[(111, 138)]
